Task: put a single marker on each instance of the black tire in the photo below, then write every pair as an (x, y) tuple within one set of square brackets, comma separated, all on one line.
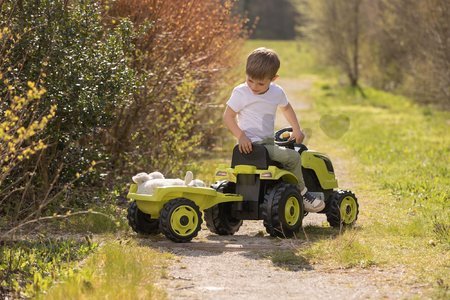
[(218, 218), (141, 222), (350, 212), (180, 220), (278, 220)]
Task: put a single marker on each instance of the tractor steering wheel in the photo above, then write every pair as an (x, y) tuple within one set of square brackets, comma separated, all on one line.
[(282, 138)]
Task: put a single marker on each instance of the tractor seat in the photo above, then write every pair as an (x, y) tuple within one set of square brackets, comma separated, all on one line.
[(259, 158)]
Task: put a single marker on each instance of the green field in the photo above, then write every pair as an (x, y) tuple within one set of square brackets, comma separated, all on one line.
[(398, 156)]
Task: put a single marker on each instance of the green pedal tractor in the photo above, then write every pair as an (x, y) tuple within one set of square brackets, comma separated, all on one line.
[(253, 188)]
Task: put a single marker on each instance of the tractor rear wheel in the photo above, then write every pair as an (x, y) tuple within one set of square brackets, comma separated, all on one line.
[(342, 208), (180, 220), (141, 222), (218, 218), (283, 210)]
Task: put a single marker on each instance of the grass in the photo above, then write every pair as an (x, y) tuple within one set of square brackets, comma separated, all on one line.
[(397, 155), (297, 58), (29, 267), (288, 260), (118, 270)]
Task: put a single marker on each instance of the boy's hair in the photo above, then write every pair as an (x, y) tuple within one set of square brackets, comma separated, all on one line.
[(262, 63)]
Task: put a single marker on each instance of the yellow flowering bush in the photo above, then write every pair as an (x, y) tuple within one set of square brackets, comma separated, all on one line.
[(18, 126)]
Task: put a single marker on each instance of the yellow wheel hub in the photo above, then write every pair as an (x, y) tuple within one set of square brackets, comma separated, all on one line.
[(184, 220), (292, 211), (348, 210)]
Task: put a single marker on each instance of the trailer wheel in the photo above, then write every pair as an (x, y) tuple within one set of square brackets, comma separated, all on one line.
[(141, 222), (180, 220)]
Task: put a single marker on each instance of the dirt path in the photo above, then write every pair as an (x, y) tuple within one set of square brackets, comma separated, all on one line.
[(242, 267), (245, 266)]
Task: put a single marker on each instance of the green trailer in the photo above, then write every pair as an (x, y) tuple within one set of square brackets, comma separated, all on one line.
[(173, 210)]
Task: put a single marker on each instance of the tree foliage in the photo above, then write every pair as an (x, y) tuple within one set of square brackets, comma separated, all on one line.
[(399, 45), (339, 27), (417, 47)]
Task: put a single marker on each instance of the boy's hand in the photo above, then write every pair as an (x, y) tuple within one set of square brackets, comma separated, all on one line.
[(298, 136), (245, 145)]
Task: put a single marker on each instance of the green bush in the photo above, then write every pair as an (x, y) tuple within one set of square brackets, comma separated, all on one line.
[(113, 73), (82, 65), (84, 68)]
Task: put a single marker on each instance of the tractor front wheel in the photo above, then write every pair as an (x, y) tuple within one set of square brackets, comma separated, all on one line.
[(342, 208), (180, 220), (141, 222), (283, 210)]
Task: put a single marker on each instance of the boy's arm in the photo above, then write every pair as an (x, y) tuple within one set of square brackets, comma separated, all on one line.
[(229, 118), (290, 116)]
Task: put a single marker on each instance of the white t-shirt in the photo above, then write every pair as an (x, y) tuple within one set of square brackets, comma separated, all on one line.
[(256, 113)]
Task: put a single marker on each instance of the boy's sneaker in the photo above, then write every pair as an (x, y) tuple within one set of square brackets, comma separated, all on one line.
[(311, 203)]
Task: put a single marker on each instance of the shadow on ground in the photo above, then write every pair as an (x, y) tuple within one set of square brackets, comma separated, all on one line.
[(252, 243)]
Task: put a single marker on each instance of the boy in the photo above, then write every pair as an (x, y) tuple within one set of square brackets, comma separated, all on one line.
[(254, 103)]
